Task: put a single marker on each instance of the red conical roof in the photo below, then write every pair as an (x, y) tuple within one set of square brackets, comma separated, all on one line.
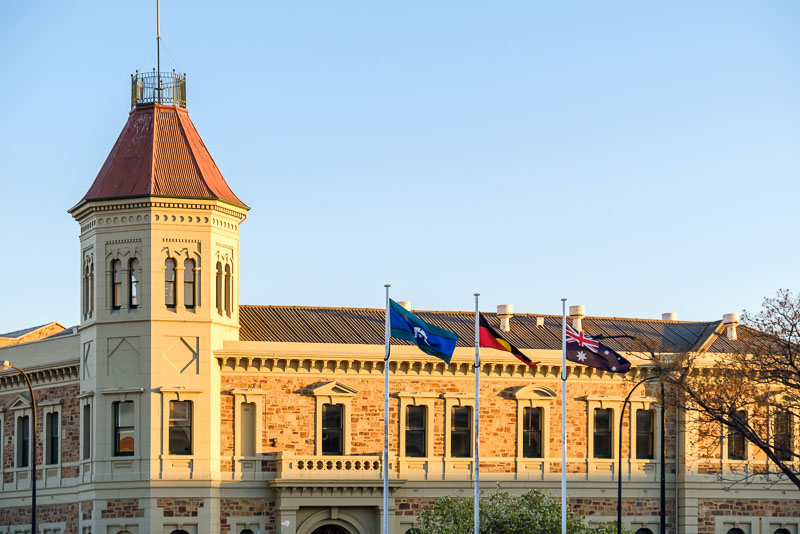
[(160, 153)]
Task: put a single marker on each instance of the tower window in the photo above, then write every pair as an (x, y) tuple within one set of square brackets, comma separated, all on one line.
[(532, 433), (228, 285), (116, 284), (180, 427), (188, 283), (219, 288), (602, 433), (169, 283), (87, 432), (85, 292), (124, 428), (133, 283)]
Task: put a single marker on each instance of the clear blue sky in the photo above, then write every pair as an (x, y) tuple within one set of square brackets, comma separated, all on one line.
[(634, 157)]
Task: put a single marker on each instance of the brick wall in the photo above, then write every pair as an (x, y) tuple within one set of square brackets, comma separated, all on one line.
[(180, 507), (256, 508), (51, 513), (121, 509), (710, 510)]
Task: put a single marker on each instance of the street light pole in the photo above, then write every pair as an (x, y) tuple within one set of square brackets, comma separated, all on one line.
[(619, 455), (32, 433)]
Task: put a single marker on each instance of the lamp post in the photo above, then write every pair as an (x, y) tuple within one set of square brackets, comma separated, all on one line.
[(619, 456), (5, 365)]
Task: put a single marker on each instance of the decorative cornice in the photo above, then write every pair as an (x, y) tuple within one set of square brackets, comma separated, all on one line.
[(60, 374), (337, 365)]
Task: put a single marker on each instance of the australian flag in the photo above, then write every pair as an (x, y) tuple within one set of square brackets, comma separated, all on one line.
[(429, 338), (585, 350)]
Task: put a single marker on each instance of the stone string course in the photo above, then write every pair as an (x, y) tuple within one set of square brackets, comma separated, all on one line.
[(710, 511)]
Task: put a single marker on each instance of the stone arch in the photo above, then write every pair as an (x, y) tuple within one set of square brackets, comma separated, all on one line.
[(331, 529), (347, 522)]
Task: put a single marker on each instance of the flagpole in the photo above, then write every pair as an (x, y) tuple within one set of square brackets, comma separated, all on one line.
[(563, 416), (476, 461), (386, 420)]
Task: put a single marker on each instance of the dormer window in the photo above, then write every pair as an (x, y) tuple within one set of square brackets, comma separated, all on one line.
[(169, 283), (116, 284), (188, 283), (133, 283)]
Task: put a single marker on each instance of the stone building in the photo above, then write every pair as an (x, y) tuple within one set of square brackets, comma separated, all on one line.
[(173, 409)]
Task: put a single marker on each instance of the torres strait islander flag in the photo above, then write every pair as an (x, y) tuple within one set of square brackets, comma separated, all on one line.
[(489, 338), (588, 351), (429, 338)]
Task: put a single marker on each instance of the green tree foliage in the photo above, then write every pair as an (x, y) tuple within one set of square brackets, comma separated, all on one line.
[(530, 513)]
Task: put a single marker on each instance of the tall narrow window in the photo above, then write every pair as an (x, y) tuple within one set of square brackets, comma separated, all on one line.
[(460, 430), (736, 447), (228, 292), (248, 429), (116, 284), (51, 437), (133, 283), (332, 428), (782, 425), (86, 438), (219, 288), (169, 283), (416, 419), (23, 441), (91, 288), (532, 433), (124, 428), (180, 427), (85, 293), (188, 283), (602, 433), (645, 439)]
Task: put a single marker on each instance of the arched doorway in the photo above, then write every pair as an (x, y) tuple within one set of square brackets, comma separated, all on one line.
[(331, 529)]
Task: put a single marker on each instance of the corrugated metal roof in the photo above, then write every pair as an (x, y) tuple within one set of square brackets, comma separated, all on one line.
[(160, 153), (19, 333), (359, 326)]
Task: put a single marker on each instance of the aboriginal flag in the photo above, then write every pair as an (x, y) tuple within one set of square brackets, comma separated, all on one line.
[(491, 339)]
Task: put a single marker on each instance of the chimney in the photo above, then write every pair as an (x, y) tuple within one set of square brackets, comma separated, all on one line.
[(505, 312), (577, 313), (405, 304), (730, 321), (670, 316)]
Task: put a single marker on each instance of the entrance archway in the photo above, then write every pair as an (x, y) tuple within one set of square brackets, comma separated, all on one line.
[(331, 529)]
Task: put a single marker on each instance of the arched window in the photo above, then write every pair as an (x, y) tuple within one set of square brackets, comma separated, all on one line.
[(735, 530), (782, 531), (116, 284), (188, 283), (91, 287), (246, 531), (219, 288), (169, 283), (178, 532), (228, 287), (133, 283), (85, 292), (644, 531)]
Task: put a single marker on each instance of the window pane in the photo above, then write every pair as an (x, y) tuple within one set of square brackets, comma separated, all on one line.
[(532, 433), (169, 282), (188, 283), (783, 436), (736, 440), (602, 433), (332, 428), (134, 274), (52, 438), (415, 431), (125, 442), (602, 420), (125, 415), (87, 426), (460, 446), (116, 283), (644, 434)]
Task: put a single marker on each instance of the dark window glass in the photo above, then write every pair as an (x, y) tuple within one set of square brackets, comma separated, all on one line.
[(736, 530), (332, 428), (644, 531), (219, 287), (51, 428), (124, 428), (228, 290), (532, 433), (645, 439), (460, 426), (415, 431), (86, 290), (116, 284), (783, 435), (782, 531), (188, 283), (87, 432), (134, 283), (23, 441), (736, 440), (180, 427), (602, 433), (169, 283)]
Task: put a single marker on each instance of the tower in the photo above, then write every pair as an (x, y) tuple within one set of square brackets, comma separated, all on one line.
[(159, 256)]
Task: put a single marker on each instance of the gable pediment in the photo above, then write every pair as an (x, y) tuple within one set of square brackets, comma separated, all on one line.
[(534, 392), (19, 403), (334, 389)]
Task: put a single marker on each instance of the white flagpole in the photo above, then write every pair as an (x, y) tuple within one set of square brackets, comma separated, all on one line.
[(563, 416), (386, 420), (476, 461)]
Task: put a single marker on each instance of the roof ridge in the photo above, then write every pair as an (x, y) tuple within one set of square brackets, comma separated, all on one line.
[(197, 166)]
